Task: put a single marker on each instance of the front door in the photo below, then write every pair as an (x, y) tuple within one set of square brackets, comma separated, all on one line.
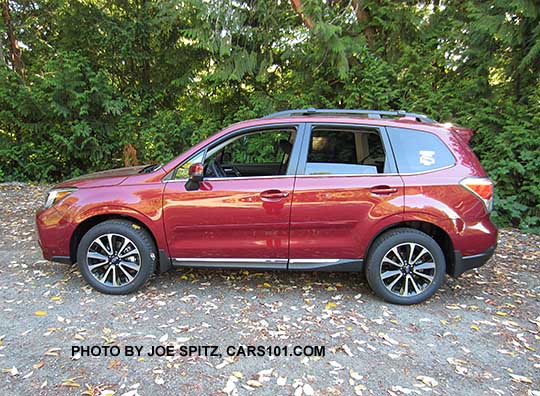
[(346, 185), (240, 214)]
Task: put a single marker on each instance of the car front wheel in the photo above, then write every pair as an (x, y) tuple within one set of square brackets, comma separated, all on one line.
[(116, 257), (405, 266)]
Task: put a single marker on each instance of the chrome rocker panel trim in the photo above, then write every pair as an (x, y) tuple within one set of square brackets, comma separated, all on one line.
[(334, 264)]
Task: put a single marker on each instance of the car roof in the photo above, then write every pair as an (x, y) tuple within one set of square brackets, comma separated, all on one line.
[(401, 122), (347, 116)]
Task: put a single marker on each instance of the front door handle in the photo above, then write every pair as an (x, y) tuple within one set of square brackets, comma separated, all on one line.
[(274, 195), (383, 190)]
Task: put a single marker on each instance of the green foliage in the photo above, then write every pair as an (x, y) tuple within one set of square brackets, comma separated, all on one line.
[(60, 123), (161, 76)]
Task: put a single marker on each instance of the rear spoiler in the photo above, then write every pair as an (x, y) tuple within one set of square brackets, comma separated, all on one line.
[(464, 133)]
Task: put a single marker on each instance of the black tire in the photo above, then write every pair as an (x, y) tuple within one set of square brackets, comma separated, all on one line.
[(405, 240), (144, 258)]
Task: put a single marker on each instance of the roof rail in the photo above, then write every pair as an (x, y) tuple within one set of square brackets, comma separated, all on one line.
[(368, 113)]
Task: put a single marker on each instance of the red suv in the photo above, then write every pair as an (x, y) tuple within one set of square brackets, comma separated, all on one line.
[(394, 194)]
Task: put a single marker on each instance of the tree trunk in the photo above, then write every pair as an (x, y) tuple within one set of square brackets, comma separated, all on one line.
[(363, 16), (297, 5), (14, 50)]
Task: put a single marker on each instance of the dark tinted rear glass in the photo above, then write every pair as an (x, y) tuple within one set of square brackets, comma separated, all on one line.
[(418, 151)]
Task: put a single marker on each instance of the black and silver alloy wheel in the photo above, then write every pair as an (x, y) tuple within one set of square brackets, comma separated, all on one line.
[(405, 266), (113, 260), (407, 269), (116, 256)]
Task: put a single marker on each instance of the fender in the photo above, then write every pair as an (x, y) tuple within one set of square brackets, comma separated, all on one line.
[(155, 226), (449, 226), (452, 226)]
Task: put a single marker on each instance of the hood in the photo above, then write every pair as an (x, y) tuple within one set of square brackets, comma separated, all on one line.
[(110, 177)]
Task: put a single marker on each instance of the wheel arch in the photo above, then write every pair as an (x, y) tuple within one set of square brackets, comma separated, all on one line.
[(96, 218), (437, 233)]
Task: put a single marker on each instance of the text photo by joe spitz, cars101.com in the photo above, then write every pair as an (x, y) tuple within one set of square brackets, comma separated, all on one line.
[(214, 219)]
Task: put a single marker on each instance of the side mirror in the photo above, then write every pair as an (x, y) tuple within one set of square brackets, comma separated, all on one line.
[(196, 175)]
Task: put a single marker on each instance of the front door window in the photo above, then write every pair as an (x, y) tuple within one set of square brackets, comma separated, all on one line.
[(260, 153)]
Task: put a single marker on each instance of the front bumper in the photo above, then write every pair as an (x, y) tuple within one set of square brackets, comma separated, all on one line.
[(462, 264), (54, 235)]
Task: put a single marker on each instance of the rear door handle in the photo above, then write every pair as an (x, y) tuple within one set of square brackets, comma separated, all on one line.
[(274, 195), (383, 190)]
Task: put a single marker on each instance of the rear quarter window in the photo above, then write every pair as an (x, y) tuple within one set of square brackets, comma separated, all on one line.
[(418, 151)]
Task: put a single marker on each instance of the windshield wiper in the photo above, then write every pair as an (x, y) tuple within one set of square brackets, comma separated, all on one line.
[(150, 168)]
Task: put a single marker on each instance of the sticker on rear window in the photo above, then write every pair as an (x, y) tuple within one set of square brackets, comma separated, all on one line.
[(427, 158)]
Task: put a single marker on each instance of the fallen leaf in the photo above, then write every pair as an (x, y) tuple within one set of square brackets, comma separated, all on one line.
[(308, 390), (39, 364), (52, 352), (520, 378), (41, 313), (358, 389), (12, 371), (114, 363), (70, 383), (354, 375), (254, 383), (330, 305), (159, 380), (427, 380), (230, 387)]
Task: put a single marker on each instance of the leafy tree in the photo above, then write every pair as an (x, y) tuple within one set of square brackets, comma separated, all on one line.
[(83, 80)]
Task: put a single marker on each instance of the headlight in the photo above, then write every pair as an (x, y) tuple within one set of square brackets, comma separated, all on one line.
[(57, 195)]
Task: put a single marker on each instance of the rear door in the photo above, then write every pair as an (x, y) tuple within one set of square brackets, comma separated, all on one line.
[(346, 186)]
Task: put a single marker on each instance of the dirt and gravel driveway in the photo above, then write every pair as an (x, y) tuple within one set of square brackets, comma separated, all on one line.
[(479, 335)]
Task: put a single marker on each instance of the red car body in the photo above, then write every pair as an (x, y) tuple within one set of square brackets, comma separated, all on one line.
[(317, 219)]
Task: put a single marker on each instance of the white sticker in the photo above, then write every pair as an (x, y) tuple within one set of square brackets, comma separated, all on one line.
[(427, 158)]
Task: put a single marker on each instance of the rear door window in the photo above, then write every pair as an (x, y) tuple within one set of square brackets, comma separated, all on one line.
[(335, 151), (418, 151)]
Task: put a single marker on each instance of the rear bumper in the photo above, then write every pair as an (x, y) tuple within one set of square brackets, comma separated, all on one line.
[(465, 263)]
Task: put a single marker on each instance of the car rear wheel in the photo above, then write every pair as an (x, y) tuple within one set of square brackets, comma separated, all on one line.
[(405, 266), (116, 257)]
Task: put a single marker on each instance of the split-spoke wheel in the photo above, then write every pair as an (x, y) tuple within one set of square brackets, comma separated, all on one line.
[(405, 266), (113, 260), (116, 256)]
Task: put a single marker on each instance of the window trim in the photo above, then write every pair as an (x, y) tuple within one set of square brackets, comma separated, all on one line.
[(385, 140), (293, 160)]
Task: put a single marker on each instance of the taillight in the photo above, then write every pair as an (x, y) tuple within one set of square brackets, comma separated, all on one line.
[(481, 187)]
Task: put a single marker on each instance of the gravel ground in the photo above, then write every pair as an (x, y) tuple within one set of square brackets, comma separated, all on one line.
[(479, 335)]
